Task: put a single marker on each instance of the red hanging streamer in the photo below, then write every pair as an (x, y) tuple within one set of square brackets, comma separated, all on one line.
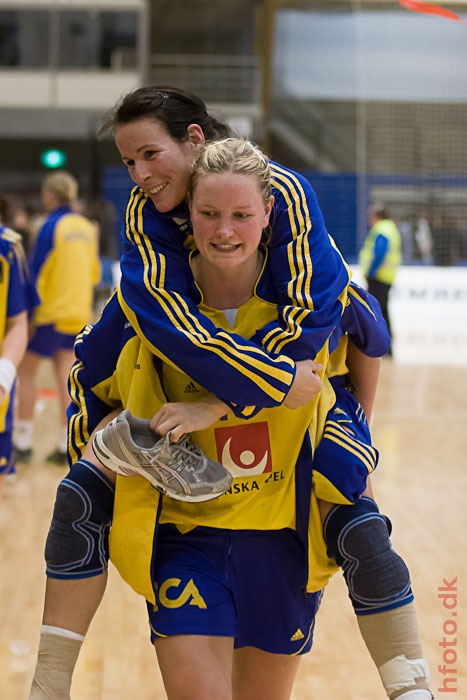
[(427, 9)]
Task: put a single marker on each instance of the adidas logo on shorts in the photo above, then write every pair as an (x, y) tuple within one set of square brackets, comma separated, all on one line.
[(297, 636), (191, 389)]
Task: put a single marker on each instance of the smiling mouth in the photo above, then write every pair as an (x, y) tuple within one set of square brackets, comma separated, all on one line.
[(157, 189), (227, 248)]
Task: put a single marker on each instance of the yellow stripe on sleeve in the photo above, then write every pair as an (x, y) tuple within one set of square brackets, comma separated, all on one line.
[(354, 293), (366, 453)]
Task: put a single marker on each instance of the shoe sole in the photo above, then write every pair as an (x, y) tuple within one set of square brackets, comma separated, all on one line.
[(109, 460)]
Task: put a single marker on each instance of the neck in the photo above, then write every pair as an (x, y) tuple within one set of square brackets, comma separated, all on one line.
[(226, 288)]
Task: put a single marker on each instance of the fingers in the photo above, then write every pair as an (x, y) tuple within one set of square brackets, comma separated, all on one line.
[(168, 419), (160, 422), (176, 433), (309, 365)]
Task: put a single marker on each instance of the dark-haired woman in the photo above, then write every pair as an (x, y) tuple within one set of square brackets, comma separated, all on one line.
[(158, 132)]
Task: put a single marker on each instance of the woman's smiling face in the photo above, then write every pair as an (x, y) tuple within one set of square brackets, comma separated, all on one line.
[(228, 216), (159, 164)]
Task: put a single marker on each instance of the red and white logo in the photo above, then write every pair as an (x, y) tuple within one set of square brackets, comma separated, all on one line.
[(245, 450)]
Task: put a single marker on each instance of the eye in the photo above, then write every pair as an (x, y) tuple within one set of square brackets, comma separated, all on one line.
[(208, 214), (150, 154), (241, 215), (129, 163)]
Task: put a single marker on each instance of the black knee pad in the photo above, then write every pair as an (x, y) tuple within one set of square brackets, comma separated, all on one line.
[(357, 538), (77, 543)]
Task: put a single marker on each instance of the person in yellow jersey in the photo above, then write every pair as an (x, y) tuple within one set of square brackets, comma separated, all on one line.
[(17, 299), (233, 558), (65, 266), (380, 257), (212, 629)]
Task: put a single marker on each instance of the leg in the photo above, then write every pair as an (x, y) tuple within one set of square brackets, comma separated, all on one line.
[(357, 538), (196, 667), (258, 675), (26, 395), (380, 291), (26, 390), (70, 603), (378, 580)]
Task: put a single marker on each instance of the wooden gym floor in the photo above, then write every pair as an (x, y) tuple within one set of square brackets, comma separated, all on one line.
[(420, 426)]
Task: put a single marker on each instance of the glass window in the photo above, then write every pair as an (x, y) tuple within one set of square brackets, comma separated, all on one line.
[(92, 39), (117, 48), (24, 38), (78, 39)]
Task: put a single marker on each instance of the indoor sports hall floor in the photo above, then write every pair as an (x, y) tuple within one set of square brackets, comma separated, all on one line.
[(420, 426)]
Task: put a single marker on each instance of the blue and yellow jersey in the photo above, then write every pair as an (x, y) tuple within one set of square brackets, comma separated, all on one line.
[(345, 455), (269, 456), (97, 349), (262, 462), (65, 266), (17, 294), (160, 299), (362, 322)]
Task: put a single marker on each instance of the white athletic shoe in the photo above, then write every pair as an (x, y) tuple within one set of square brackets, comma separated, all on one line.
[(180, 469)]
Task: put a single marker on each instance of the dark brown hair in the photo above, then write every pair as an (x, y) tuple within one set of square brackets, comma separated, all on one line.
[(176, 109)]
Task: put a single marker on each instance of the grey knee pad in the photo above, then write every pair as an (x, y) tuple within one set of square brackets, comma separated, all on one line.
[(77, 543), (358, 539)]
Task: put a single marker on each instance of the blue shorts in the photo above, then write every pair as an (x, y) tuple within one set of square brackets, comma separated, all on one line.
[(6, 448), (46, 341), (345, 455), (249, 586)]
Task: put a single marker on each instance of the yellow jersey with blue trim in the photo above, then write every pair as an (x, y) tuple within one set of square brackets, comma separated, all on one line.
[(269, 456), (17, 295), (66, 267), (160, 299), (17, 291)]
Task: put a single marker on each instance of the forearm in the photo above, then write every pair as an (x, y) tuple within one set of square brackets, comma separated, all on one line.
[(190, 342), (159, 298), (363, 377), (16, 338)]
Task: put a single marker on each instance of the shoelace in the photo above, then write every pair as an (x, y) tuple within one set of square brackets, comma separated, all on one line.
[(173, 452)]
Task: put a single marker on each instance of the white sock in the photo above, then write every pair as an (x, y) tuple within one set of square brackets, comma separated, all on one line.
[(56, 659), (23, 434)]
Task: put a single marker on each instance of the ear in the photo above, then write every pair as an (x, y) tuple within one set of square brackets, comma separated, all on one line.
[(195, 134), (267, 210)]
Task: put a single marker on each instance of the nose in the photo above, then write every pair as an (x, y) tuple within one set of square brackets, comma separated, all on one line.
[(224, 227), (142, 171)]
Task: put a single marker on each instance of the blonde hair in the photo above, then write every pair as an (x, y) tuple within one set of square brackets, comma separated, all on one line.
[(63, 185), (232, 155)]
